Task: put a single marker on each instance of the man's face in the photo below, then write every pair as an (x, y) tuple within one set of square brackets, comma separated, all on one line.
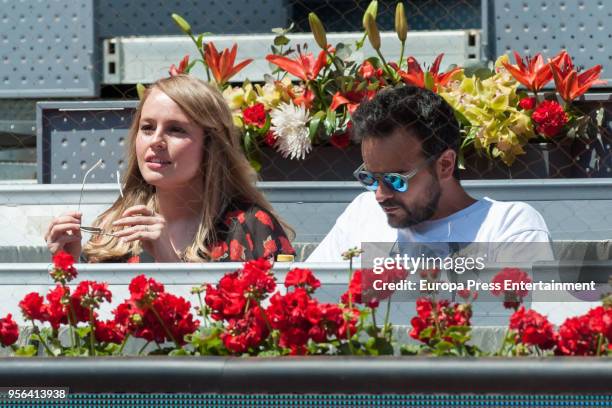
[(401, 153)]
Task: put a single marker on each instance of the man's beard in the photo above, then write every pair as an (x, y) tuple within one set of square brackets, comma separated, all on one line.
[(417, 215)]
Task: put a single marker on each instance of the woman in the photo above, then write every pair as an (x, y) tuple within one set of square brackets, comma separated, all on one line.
[(189, 192)]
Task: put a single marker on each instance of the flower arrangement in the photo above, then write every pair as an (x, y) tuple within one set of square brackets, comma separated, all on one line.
[(497, 117), (247, 314)]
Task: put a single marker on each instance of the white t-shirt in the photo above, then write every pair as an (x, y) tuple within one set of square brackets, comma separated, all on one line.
[(484, 221)]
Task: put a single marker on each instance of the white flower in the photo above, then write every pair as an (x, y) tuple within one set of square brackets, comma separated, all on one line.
[(289, 123)]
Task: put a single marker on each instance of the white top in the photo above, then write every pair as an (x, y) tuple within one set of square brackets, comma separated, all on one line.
[(484, 221)]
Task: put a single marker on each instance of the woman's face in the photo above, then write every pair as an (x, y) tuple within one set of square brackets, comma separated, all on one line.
[(168, 143)]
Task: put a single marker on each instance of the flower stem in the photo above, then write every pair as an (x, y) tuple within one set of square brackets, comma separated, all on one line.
[(123, 343), (401, 58), (168, 333), (143, 347), (44, 343), (386, 67), (202, 55), (503, 343), (599, 343), (92, 348), (387, 315), (350, 301)]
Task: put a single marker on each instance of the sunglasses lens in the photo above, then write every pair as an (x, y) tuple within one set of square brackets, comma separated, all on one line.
[(367, 180), (396, 183)]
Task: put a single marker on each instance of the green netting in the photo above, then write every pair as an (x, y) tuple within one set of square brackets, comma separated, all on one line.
[(315, 401)]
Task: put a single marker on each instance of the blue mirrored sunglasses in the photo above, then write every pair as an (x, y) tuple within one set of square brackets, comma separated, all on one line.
[(395, 181)]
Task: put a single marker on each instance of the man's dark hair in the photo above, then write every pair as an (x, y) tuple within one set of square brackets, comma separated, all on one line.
[(417, 110)]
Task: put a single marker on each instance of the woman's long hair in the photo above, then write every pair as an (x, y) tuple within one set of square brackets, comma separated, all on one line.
[(227, 176)]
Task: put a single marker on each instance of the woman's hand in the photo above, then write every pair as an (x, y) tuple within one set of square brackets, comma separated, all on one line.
[(64, 234), (149, 227)]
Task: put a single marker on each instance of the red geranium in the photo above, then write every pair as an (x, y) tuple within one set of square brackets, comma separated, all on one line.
[(109, 331), (247, 333), (63, 267), (580, 336), (270, 138), (144, 290), (33, 307), (361, 287), (550, 118), (532, 329), (512, 299), (304, 278), (9, 331), (56, 309), (446, 315), (255, 115)]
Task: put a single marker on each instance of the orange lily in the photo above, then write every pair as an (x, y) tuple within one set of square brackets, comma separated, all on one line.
[(182, 68), (304, 66), (414, 74), (222, 65), (534, 73), (570, 84), (351, 99)]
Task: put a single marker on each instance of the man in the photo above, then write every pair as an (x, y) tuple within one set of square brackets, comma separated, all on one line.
[(410, 142)]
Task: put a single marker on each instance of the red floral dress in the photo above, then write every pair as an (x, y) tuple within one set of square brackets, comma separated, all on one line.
[(244, 232), (249, 232)]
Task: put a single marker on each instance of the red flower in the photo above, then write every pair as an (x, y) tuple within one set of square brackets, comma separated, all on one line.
[(549, 118), (340, 140), (270, 248), (109, 332), (228, 299), (270, 138), (63, 267), (512, 299), (56, 309), (144, 290), (527, 103), (580, 336), (414, 74), (182, 68), (362, 289), (175, 312), (569, 83), (218, 250), (298, 277), (222, 65), (248, 333), (63, 260), (534, 73), (9, 331), (264, 218), (445, 316), (532, 328), (236, 251), (255, 115), (304, 66), (33, 307)]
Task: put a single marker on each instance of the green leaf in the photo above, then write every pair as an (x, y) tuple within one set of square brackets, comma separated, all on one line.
[(199, 41), (26, 351), (313, 127), (83, 332), (443, 347), (410, 349)]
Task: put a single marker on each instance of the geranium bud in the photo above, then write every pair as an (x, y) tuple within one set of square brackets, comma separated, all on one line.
[(401, 24), (372, 30), (318, 30), (373, 10), (182, 23)]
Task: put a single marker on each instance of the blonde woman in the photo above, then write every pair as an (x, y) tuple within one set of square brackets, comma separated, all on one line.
[(189, 192)]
